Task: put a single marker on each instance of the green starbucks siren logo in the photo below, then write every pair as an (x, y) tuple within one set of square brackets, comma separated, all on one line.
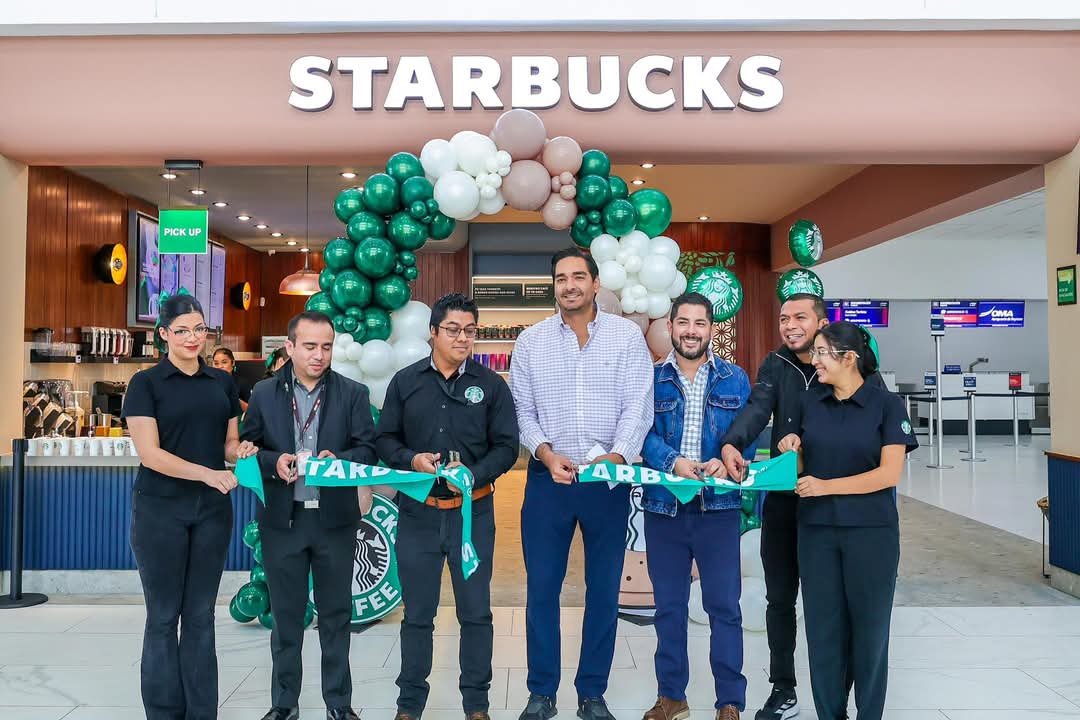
[(721, 287), (376, 589), (805, 243), (906, 427), (799, 281), (474, 394)]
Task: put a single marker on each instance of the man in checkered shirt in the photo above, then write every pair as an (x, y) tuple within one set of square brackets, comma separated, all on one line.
[(583, 389)]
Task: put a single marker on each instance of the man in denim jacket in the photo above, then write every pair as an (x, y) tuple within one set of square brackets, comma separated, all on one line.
[(697, 396)]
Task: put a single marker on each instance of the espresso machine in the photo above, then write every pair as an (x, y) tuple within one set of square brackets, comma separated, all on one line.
[(108, 397)]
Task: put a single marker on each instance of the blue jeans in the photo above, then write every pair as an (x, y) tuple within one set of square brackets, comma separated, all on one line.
[(672, 544), (549, 516), (180, 544)]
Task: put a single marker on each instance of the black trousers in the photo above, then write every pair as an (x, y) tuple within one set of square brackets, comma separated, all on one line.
[(288, 556), (848, 580), (180, 544), (780, 560), (429, 539)]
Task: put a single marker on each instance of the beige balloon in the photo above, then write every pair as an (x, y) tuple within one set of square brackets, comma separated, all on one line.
[(558, 213), (562, 155), (658, 338), (640, 319), (528, 185), (519, 132)]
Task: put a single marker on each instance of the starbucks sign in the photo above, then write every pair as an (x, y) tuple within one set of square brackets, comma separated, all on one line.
[(376, 589)]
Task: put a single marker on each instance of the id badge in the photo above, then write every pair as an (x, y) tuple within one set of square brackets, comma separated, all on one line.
[(302, 458)]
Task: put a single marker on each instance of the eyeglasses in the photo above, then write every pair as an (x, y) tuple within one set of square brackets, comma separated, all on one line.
[(184, 333), (452, 331), (815, 353)]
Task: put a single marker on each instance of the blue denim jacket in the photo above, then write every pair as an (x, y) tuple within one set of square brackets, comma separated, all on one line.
[(726, 395)]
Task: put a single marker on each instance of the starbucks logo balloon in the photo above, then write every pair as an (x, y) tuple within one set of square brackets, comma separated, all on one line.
[(797, 282), (805, 243), (721, 287)]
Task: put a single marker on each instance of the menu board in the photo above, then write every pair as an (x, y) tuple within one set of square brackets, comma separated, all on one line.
[(216, 309), (170, 273), (514, 294), (202, 280)]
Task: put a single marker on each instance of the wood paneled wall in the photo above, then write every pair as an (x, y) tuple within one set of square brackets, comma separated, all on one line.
[(69, 218), (756, 333)]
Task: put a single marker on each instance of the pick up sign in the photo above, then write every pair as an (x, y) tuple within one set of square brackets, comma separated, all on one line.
[(183, 231)]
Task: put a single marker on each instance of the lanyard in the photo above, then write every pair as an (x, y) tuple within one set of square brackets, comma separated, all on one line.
[(311, 416)]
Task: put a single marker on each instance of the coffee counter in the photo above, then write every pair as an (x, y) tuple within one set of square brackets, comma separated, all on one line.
[(78, 514)]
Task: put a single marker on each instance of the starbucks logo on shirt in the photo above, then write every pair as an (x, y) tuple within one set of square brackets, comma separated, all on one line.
[(474, 394), (906, 427)]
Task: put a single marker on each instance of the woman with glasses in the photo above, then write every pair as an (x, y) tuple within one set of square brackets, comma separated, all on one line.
[(852, 444), (182, 415)]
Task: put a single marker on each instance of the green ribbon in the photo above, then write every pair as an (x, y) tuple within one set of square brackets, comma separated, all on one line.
[(249, 475), (779, 473)]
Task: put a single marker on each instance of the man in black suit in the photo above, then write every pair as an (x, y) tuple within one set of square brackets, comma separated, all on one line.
[(307, 410)]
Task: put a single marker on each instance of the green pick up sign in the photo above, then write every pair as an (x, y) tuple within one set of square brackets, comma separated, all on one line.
[(183, 231)]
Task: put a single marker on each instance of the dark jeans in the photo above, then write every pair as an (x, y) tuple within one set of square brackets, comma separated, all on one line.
[(848, 580), (427, 540), (672, 544), (180, 545), (289, 555), (780, 560), (549, 516)]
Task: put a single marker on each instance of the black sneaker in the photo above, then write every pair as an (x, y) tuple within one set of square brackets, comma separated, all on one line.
[(539, 707), (593, 709), (781, 705)]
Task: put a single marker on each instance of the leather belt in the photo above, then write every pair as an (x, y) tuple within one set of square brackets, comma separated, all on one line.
[(453, 503)]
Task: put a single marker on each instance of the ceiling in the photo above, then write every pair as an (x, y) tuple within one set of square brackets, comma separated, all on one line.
[(275, 196)]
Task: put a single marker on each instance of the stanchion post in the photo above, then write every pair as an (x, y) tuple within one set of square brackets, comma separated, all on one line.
[(940, 464), (16, 598), (930, 424), (1016, 419), (971, 431)]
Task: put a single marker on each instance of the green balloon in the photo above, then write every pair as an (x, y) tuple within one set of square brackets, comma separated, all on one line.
[(804, 241), (320, 302), (377, 323), (238, 616), (399, 268), (580, 222), (442, 226), (594, 162), (407, 258), (392, 292), (376, 413), (338, 254), (720, 286), (351, 289), (375, 257), (348, 203), (256, 552), (595, 217), (356, 312), (258, 574), (381, 194), (619, 189), (417, 189), (267, 620), (620, 217), (752, 522), (403, 166), (251, 534), (253, 599), (798, 281), (406, 232), (593, 192), (350, 324), (309, 616), (581, 236), (339, 327), (749, 500), (364, 225), (359, 331), (410, 273), (653, 211), (418, 210), (326, 279)]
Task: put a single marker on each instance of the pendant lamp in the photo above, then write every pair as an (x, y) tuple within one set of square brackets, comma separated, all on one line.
[(306, 281)]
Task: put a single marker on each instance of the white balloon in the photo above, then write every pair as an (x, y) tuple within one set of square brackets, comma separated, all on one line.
[(378, 359), (354, 352), (627, 299), (491, 205), (641, 304), (495, 180), (503, 160), (657, 305), (750, 554), (657, 273), (487, 193), (662, 245), (473, 215), (633, 264), (343, 339), (640, 292), (473, 151), (604, 247), (377, 390), (631, 280), (409, 350), (438, 158), (752, 604), (697, 604), (678, 287), (622, 255), (457, 194), (635, 242), (612, 276), (349, 370)]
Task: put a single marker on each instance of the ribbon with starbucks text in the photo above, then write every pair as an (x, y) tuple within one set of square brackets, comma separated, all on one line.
[(330, 472), (779, 473)]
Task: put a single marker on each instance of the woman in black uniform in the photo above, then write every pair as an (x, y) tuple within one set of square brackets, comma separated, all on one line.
[(852, 444), (183, 420), (224, 359)]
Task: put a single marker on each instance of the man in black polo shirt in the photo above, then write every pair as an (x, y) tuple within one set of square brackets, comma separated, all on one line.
[(447, 409)]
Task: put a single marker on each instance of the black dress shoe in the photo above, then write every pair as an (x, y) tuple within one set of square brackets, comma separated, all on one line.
[(593, 709), (539, 707), (342, 713), (282, 713)]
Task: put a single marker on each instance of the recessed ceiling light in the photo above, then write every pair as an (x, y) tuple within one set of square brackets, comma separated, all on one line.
[(304, 249), (290, 243), (261, 226), (197, 191), (348, 175), (168, 176), (275, 234), (221, 203), (703, 217), (648, 166), (243, 218), (637, 181)]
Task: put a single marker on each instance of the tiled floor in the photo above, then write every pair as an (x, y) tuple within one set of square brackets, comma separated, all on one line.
[(81, 663)]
